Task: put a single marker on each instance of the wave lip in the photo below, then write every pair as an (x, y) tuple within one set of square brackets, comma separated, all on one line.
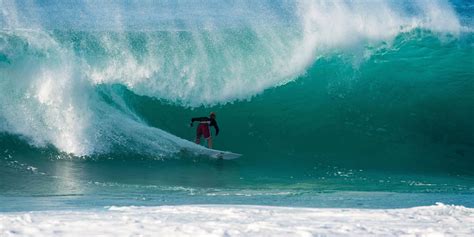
[(206, 63)]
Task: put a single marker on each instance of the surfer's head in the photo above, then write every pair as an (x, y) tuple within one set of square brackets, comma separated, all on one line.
[(212, 115)]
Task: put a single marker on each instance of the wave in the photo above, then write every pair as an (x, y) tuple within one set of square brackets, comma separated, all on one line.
[(69, 70)]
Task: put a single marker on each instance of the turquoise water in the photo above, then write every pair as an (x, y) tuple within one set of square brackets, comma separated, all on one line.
[(332, 104)]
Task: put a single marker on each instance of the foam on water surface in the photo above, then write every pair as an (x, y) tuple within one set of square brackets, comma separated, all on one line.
[(228, 220)]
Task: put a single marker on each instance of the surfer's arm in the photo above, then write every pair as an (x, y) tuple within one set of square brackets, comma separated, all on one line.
[(214, 123), (198, 119)]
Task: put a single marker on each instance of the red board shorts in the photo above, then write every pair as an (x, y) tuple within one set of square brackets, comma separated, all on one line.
[(203, 130)]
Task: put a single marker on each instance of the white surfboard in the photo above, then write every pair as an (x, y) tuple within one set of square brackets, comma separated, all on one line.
[(213, 154), (226, 155)]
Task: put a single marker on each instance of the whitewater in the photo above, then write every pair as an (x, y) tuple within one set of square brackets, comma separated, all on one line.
[(438, 220), (353, 118)]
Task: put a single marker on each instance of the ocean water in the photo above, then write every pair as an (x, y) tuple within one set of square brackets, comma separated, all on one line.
[(365, 104)]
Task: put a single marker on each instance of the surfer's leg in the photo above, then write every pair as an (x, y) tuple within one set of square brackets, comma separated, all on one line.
[(207, 135), (209, 142), (198, 134)]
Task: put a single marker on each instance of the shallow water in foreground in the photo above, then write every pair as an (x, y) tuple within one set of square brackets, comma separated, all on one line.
[(86, 184)]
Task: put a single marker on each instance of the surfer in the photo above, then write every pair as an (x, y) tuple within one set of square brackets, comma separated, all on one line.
[(203, 128)]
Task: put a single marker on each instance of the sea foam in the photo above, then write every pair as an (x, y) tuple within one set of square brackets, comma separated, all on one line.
[(228, 220)]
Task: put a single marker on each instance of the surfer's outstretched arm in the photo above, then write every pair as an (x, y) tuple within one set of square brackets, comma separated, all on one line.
[(198, 119)]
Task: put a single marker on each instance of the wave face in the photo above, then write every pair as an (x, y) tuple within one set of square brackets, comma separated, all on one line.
[(378, 82)]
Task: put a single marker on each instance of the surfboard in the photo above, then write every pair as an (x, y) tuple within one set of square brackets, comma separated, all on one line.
[(213, 154), (225, 155)]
